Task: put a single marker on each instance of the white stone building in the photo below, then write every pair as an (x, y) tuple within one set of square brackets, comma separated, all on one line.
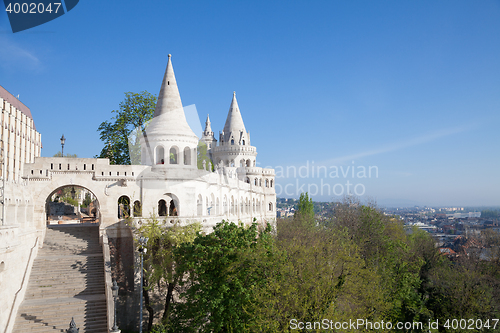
[(168, 184)]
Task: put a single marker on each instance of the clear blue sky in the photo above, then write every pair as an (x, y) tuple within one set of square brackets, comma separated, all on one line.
[(409, 87)]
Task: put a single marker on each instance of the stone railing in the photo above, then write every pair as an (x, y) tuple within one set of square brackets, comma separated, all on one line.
[(19, 295), (107, 279)]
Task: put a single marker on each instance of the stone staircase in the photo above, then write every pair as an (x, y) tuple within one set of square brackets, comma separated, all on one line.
[(67, 280)]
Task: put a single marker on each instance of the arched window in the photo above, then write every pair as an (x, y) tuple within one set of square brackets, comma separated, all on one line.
[(242, 163), (199, 204), (123, 207), (271, 183), (260, 182), (162, 208), (160, 155), (172, 210), (247, 180), (249, 163), (225, 205), (187, 156), (270, 206), (232, 163), (232, 206), (232, 142), (137, 208), (212, 201), (217, 207), (173, 155), (243, 142), (255, 181)]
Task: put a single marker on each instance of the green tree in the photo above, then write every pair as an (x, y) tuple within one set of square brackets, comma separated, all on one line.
[(305, 208), (220, 277), (202, 155), (127, 124), (159, 263)]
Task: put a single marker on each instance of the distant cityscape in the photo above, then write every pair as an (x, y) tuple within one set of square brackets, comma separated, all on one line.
[(456, 230)]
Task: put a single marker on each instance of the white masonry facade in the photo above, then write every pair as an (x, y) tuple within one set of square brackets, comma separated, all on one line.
[(181, 178)]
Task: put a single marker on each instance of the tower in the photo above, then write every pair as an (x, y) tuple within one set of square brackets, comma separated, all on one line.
[(208, 138), (234, 147), (168, 139)]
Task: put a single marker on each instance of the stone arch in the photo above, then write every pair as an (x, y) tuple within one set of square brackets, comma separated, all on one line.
[(160, 154), (162, 207), (174, 155), (137, 208), (242, 163), (212, 202), (123, 206), (187, 156), (249, 163), (225, 204), (199, 205), (106, 205)]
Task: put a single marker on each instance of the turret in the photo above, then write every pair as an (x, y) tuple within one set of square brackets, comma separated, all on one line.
[(234, 147), (208, 138), (169, 140)]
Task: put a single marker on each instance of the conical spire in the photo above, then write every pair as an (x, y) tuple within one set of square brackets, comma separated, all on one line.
[(169, 117), (169, 98), (234, 122), (208, 127)]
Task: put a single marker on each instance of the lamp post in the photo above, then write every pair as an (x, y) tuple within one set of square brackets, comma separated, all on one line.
[(114, 290), (63, 139), (142, 249), (72, 327)]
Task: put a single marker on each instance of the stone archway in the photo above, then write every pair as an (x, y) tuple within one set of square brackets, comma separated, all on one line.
[(42, 190), (71, 204)]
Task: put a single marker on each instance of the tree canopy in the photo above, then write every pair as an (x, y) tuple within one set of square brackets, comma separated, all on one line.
[(359, 264), (126, 125)]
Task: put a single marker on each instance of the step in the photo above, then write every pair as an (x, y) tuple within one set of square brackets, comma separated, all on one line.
[(67, 280)]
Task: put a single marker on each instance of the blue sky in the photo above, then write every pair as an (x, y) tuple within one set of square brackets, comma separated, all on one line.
[(409, 87)]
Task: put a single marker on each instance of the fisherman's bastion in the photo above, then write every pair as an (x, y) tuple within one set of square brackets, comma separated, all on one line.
[(169, 183)]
